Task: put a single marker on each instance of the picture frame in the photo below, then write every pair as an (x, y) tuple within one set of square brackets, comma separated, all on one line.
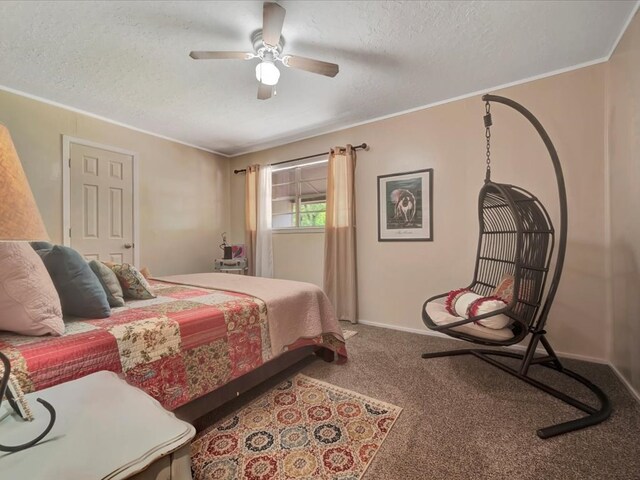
[(405, 206), (238, 251)]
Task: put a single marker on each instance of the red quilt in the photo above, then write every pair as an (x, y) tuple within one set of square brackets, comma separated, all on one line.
[(177, 347)]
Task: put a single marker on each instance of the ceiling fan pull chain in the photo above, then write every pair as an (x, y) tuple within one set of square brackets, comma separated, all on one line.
[(487, 134)]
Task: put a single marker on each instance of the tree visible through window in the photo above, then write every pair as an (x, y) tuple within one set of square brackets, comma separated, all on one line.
[(313, 214), (299, 196)]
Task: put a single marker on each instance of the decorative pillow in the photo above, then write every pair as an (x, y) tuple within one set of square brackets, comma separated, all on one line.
[(440, 316), (464, 303), (145, 273), (482, 305), (81, 293), (109, 282), (41, 245), (452, 298), (29, 303), (134, 285), (504, 289)]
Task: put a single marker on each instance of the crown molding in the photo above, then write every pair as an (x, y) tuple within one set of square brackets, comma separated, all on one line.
[(105, 119), (268, 146)]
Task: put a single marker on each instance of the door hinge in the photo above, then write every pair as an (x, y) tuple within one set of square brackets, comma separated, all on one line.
[(69, 162), (69, 233)]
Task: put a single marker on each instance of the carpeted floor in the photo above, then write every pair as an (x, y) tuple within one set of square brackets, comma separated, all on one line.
[(464, 419)]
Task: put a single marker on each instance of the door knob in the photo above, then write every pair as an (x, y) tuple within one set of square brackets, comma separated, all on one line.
[(128, 245)]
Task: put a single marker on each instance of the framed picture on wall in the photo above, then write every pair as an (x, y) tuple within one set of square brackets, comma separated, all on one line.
[(405, 206)]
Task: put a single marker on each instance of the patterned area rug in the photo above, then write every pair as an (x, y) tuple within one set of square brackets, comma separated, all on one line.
[(303, 429), (348, 333)]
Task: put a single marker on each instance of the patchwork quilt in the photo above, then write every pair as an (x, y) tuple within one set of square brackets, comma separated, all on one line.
[(177, 347)]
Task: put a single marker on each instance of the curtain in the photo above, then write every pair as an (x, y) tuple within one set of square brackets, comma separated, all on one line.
[(340, 280), (257, 216), (251, 215), (264, 249)]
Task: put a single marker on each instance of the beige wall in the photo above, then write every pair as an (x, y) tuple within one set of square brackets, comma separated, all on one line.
[(298, 256), (623, 148), (184, 192), (395, 278)]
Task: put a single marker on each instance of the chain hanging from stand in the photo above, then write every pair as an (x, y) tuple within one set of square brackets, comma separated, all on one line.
[(487, 134)]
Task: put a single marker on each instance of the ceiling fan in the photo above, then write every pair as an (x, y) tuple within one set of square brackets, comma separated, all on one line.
[(267, 45)]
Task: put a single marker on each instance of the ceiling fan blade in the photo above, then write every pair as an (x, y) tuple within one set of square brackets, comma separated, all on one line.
[(272, 21), (221, 55), (264, 91), (311, 65)]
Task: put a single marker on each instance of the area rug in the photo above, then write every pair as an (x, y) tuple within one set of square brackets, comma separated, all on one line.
[(348, 333), (302, 429)]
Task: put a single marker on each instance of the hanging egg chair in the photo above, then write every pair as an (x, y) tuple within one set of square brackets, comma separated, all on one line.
[(508, 298)]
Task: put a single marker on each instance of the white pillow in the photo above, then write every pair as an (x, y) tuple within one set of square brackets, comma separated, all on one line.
[(29, 303), (440, 316), (464, 303)]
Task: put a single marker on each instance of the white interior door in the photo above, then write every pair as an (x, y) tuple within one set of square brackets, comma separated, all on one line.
[(101, 204)]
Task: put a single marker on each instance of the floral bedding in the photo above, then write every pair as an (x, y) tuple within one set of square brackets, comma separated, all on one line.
[(181, 345)]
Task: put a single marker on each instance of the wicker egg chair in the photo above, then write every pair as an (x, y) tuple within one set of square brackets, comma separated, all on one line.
[(517, 239)]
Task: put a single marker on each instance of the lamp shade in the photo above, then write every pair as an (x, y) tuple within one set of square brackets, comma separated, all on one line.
[(19, 216)]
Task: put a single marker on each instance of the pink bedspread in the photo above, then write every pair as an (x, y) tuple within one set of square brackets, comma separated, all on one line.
[(299, 310), (177, 347)]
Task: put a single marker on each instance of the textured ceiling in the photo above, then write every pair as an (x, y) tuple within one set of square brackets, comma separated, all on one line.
[(128, 61)]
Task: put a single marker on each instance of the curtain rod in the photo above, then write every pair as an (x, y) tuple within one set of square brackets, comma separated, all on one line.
[(362, 146)]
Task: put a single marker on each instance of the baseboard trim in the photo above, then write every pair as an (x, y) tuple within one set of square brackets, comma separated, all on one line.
[(419, 331), (625, 382), (431, 333)]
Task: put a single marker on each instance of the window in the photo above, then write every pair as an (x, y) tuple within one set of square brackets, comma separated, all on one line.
[(299, 196)]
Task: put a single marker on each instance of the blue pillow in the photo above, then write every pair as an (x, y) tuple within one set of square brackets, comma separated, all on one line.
[(41, 245), (80, 291)]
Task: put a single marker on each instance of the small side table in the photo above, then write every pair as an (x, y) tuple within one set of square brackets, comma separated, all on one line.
[(105, 429), (239, 266)]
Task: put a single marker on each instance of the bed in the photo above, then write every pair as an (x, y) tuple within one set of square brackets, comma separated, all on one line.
[(201, 333)]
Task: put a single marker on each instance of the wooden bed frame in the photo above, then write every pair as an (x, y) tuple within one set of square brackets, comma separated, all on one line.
[(205, 404)]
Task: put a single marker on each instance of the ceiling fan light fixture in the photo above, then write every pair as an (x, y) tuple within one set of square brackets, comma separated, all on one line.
[(267, 73), (268, 44)]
